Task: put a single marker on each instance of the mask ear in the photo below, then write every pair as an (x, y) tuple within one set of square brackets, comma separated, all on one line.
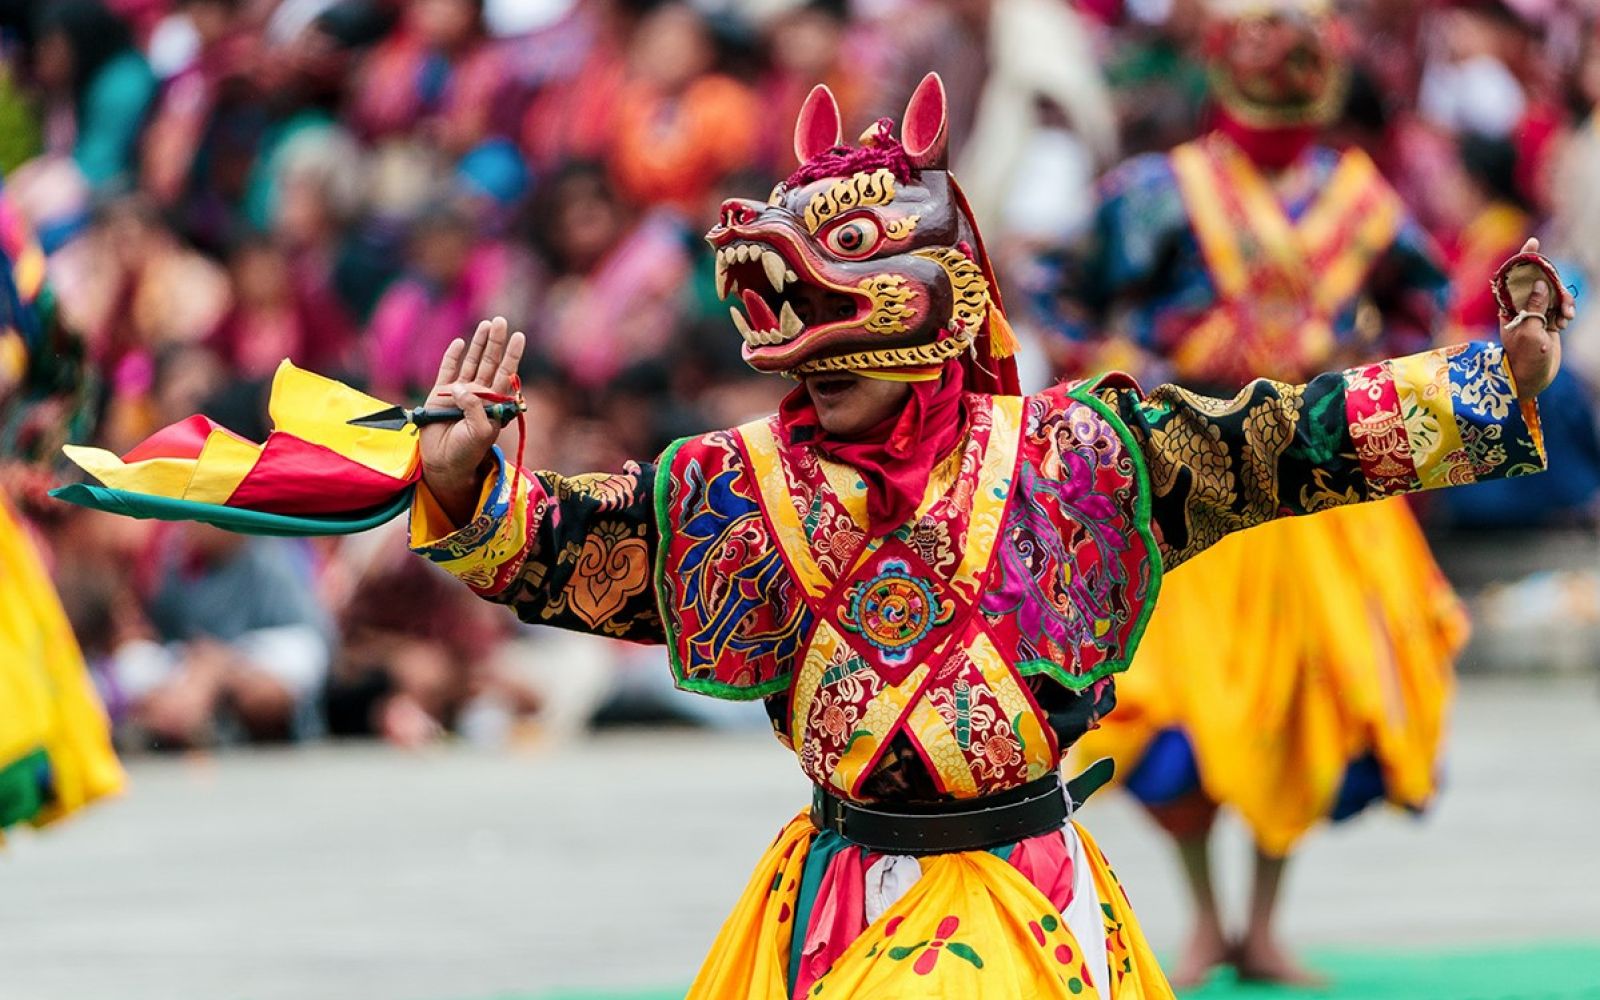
[(924, 130), (817, 130)]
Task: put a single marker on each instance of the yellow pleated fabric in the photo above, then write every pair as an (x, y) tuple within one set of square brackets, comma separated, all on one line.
[(971, 927), (1288, 651), (1135, 972), (46, 699), (749, 959)]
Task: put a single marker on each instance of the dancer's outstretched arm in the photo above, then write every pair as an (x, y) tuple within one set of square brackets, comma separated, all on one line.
[(569, 551), (1447, 417)]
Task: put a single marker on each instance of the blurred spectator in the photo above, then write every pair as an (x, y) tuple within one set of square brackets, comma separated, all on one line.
[(806, 45), (574, 70), (491, 181), (311, 198), (438, 78), (1469, 84), (1044, 125), (97, 86), (132, 287), (1575, 219), (1503, 175), (680, 126), (1156, 77), (275, 317), (189, 99), (456, 277), (616, 291), (949, 37), (238, 640), (417, 651), (1494, 221)]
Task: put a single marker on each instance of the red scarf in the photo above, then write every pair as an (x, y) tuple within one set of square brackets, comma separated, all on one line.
[(1269, 148), (895, 458)]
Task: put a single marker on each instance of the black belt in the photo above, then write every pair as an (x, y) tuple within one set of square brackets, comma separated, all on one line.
[(970, 825)]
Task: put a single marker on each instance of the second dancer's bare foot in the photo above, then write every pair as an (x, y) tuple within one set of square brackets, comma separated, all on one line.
[(1263, 960), (1202, 955)]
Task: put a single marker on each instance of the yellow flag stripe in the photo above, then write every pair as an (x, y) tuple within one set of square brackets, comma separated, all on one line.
[(319, 409)]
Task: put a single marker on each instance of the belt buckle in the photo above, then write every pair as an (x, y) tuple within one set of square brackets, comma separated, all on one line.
[(822, 816)]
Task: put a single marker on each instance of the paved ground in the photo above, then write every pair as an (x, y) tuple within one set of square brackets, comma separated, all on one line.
[(356, 873)]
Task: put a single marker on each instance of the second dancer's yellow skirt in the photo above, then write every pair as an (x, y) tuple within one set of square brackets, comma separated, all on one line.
[(1288, 652), (55, 742)]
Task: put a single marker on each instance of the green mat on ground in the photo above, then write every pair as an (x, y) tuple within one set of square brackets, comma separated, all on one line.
[(1540, 972), (1532, 972)]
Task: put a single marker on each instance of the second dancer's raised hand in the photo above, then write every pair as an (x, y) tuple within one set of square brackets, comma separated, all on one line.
[(454, 455), (1533, 338)]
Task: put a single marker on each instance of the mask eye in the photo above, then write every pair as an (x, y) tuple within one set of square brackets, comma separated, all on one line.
[(853, 238)]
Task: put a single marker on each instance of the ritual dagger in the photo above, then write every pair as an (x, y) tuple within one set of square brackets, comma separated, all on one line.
[(398, 417)]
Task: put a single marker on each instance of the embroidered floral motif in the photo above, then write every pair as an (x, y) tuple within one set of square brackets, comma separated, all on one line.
[(927, 952)]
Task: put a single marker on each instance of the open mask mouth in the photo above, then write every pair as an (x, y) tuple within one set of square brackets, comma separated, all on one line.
[(781, 297)]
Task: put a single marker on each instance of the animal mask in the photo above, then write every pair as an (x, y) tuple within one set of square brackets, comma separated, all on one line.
[(867, 258), (1277, 63)]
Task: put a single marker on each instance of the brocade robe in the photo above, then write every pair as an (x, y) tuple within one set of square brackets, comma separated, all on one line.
[(964, 653)]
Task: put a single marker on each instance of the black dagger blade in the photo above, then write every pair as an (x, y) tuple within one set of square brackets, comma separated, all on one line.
[(390, 419), (396, 418)]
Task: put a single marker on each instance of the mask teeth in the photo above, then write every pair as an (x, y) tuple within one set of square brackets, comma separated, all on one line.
[(775, 269), (778, 272), (756, 322), (789, 325), (753, 337)]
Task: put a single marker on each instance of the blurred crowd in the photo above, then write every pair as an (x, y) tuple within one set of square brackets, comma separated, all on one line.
[(221, 184)]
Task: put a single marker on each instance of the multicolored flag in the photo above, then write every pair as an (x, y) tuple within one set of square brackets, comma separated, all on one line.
[(316, 474)]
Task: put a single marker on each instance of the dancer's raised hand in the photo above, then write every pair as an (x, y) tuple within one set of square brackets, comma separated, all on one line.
[(453, 454), (1533, 336)]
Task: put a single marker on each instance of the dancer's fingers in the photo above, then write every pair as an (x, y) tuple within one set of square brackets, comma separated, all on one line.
[(480, 340), (1538, 305), (450, 364), (493, 352), (472, 413), (510, 363)]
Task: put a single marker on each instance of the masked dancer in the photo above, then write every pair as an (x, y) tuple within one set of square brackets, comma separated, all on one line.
[(929, 580)]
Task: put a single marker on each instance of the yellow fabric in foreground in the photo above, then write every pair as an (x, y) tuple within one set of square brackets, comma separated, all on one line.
[(1289, 650), (971, 927), (46, 699)]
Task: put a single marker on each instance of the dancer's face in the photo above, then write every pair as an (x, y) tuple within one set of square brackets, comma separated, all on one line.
[(849, 405)]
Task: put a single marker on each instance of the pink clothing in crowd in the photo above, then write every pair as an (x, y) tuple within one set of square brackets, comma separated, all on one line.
[(414, 323), (625, 309)]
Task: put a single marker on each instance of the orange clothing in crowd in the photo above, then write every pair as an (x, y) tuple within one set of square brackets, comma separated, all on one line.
[(675, 149)]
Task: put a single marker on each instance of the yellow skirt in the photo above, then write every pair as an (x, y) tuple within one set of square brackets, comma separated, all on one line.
[(1289, 651), (50, 717), (971, 926)]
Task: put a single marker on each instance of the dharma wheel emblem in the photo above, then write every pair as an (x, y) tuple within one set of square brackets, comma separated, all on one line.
[(894, 610)]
